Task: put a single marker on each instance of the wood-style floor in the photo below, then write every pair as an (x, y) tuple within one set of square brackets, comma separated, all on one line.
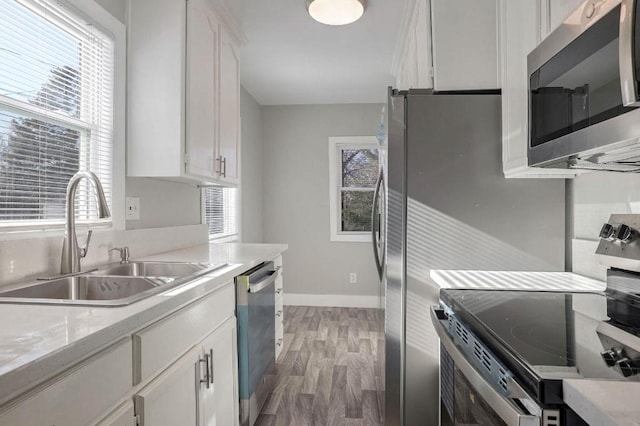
[(331, 369)]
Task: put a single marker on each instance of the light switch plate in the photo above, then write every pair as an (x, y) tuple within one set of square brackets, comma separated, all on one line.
[(133, 208)]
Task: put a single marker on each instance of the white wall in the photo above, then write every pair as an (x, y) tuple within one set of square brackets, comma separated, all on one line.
[(251, 169), (593, 197), (296, 198)]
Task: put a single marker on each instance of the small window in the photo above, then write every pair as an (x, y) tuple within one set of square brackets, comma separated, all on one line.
[(56, 111), (221, 212), (354, 168)]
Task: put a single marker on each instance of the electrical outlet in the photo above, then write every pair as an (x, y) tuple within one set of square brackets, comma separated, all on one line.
[(353, 278), (133, 208)]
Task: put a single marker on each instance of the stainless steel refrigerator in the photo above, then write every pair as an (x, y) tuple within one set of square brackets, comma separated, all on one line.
[(445, 204)]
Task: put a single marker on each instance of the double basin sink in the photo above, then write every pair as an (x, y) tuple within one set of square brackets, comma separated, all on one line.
[(114, 285)]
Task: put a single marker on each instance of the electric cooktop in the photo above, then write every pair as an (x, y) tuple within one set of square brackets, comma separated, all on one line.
[(543, 337)]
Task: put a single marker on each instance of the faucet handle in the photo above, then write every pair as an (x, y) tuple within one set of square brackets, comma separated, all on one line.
[(124, 253), (85, 249)]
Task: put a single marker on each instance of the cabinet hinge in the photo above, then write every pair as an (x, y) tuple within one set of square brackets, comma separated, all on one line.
[(136, 420), (186, 158)]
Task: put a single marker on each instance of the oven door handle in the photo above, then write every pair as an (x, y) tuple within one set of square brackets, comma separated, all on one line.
[(504, 407)]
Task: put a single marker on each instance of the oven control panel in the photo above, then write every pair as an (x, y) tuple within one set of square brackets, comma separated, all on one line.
[(621, 350), (620, 242)]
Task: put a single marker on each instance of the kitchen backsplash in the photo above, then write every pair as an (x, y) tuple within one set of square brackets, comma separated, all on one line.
[(26, 258), (594, 197)]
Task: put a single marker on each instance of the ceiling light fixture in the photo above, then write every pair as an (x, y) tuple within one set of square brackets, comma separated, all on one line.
[(336, 12)]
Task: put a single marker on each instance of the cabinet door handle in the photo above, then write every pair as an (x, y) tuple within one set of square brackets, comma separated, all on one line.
[(224, 166), (207, 371), (211, 378)]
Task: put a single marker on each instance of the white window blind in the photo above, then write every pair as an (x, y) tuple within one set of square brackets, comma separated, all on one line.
[(56, 111), (221, 211), (358, 175)]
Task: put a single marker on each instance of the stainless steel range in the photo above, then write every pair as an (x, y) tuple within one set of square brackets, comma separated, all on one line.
[(504, 354)]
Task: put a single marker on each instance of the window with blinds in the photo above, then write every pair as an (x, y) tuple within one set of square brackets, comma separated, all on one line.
[(358, 173), (221, 211), (56, 111), (354, 168)]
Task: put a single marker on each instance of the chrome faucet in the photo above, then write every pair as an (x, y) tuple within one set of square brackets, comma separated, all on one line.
[(71, 252)]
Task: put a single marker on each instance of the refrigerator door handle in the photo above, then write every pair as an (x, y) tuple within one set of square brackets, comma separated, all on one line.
[(375, 230)]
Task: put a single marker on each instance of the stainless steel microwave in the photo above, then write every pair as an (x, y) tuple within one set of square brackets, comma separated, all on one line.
[(584, 102)]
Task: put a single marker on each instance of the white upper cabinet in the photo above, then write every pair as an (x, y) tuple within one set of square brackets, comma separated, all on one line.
[(229, 146), (454, 45), (448, 45), (520, 23), (202, 53), (465, 44), (554, 12), (183, 92)]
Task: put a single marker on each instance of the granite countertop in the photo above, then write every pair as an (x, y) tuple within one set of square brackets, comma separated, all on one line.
[(39, 341)]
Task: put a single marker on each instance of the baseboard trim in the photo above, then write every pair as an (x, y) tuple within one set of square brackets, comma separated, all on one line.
[(332, 300)]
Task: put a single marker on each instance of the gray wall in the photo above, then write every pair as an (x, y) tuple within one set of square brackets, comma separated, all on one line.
[(593, 197), (296, 196), (162, 203), (252, 168)]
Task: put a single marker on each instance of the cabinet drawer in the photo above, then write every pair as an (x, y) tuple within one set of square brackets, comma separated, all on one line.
[(79, 395), (158, 345)]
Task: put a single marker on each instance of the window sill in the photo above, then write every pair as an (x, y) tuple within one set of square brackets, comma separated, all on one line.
[(48, 230), (229, 239)]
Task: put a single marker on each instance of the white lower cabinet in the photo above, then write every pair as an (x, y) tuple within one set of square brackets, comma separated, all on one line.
[(79, 395), (198, 389), (279, 306), (171, 398), (179, 370), (158, 345), (219, 400)]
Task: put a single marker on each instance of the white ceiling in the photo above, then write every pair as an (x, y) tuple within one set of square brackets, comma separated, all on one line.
[(291, 59)]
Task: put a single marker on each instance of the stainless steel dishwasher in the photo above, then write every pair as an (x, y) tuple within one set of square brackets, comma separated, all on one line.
[(255, 305)]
